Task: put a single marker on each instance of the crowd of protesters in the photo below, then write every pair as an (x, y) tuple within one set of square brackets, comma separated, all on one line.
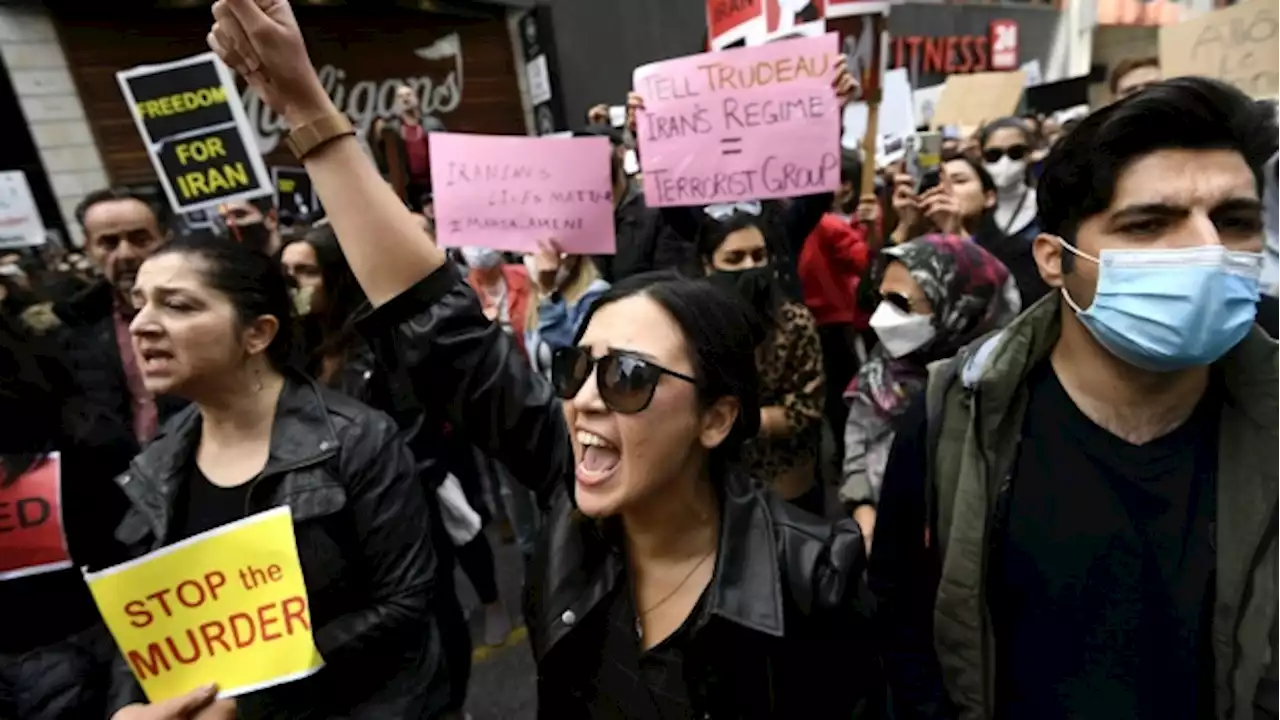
[(995, 439)]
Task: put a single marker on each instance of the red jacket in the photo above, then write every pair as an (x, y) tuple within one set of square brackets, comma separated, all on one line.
[(834, 256), (519, 291)]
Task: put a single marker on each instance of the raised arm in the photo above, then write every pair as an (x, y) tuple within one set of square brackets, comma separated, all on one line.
[(427, 327), (385, 246)]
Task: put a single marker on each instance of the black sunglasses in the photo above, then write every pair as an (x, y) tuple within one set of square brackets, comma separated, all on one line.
[(1015, 152), (898, 300), (626, 382)]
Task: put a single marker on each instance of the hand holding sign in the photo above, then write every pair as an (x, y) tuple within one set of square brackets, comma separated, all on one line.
[(261, 40), (199, 704)]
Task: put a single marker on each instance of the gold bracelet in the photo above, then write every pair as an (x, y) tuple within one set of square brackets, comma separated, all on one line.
[(306, 139)]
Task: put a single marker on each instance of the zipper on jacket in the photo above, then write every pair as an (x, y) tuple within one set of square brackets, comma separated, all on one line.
[(327, 453), (985, 621)]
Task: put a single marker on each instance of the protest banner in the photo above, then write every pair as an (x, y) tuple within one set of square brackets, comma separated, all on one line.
[(20, 221), (1236, 44), (193, 124), (228, 606), (969, 101), (743, 124), (294, 193), (32, 539), (508, 192)]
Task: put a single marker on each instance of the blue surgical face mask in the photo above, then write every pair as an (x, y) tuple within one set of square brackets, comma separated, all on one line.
[(1166, 310)]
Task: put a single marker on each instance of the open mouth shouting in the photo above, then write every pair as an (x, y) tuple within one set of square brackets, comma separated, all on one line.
[(600, 459)]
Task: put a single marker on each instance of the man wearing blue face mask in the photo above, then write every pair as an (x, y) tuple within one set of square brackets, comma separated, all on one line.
[(1097, 483)]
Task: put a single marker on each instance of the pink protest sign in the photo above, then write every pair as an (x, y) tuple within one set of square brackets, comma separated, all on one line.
[(508, 192), (743, 124)]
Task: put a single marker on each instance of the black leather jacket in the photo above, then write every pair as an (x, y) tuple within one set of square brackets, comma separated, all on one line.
[(785, 629), (362, 529)]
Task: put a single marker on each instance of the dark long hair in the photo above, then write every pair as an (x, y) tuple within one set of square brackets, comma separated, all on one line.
[(721, 335), (252, 281), (343, 297)]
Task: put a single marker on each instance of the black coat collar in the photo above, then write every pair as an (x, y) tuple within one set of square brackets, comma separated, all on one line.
[(302, 434), (746, 589)]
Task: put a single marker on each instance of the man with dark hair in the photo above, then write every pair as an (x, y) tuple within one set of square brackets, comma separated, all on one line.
[(121, 229), (1133, 75), (1080, 514), (253, 222)]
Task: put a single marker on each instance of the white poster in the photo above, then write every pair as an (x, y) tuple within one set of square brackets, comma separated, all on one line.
[(897, 119), (539, 80), (20, 222), (925, 101)]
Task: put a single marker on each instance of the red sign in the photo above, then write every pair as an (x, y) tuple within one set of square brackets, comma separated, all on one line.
[(725, 15), (947, 55), (1004, 45), (31, 537), (785, 15)]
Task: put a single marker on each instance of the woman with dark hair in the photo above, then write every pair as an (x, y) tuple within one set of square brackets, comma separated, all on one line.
[(214, 325), (668, 583), (735, 257), (965, 203), (55, 653), (939, 293), (328, 298)]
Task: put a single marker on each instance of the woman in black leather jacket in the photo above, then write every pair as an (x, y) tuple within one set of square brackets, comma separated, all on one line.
[(327, 297), (667, 584), (213, 326)]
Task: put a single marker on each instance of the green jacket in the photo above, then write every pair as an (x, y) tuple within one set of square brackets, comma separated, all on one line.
[(976, 406)]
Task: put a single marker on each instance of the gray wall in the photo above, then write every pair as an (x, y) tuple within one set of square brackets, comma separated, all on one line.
[(601, 41)]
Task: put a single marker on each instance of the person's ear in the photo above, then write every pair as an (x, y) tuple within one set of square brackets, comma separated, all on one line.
[(717, 421), (272, 219), (257, 335), (988, 200), (1048, 253)]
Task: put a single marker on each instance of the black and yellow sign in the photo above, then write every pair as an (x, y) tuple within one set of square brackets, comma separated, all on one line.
[(189, 114), (294, 194)]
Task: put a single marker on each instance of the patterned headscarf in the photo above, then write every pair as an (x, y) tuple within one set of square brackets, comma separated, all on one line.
[(972, 293)]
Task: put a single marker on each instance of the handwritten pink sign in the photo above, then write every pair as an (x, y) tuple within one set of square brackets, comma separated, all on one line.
[(743, 124), (508, 192)]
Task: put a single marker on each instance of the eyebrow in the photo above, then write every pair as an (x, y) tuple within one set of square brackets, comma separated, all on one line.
[(1175, 210)]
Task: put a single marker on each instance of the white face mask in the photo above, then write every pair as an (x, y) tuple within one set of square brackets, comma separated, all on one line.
[(479, 258), (902, 333), (1007, 172)]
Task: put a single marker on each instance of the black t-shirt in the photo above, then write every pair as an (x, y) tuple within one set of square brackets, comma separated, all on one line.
[(641, 684), (203, 506), (1102, 567), (1057, 481)]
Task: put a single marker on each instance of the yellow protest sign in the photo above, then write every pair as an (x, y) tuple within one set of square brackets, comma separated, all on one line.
[(227, 606)]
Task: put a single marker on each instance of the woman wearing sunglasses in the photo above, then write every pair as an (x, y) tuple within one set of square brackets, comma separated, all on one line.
[(784, 453), (667, 584), (938, 293), (1006, 150)]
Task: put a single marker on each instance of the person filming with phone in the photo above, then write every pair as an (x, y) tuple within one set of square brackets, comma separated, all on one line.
[(961, 197)]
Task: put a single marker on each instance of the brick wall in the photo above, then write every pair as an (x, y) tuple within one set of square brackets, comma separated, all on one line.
[(38, 70)]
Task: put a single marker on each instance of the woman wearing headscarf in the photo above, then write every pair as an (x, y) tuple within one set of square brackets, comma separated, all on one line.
[(938, 293)]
